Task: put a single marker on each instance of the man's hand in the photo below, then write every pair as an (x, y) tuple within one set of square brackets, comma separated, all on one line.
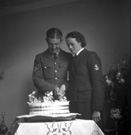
[(56, 89), (55, 92), (96, 116), (61, 91)]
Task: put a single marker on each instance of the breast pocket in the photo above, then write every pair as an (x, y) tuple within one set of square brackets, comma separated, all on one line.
[(62, 71), (48, 71)]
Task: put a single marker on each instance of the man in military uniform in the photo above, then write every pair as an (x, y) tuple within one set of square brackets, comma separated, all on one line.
[(51, 66)]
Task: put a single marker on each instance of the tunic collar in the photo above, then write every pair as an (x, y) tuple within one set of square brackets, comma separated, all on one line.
[(79, 51)]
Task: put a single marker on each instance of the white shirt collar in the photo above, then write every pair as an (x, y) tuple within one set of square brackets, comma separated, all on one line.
[(79, 51)]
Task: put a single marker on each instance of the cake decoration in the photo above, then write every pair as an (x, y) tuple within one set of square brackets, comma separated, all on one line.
[(47, 105)]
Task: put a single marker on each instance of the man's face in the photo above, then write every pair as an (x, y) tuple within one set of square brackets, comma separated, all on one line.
[(53, 44)]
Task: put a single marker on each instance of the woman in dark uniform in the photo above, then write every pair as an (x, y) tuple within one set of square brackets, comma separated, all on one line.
[(86, 85)]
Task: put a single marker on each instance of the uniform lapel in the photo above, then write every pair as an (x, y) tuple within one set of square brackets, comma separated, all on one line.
[(76, 60), (49, 55), (60, 56)]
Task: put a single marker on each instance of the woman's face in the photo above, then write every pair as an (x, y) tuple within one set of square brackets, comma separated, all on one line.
[(73, 45)]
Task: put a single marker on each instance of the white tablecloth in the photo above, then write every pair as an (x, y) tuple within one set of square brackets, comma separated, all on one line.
[(73, 127)]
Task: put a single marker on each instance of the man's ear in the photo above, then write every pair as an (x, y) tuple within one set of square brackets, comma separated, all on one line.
[(46, 40)]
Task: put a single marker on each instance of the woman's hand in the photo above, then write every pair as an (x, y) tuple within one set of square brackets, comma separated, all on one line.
[(96, 116)]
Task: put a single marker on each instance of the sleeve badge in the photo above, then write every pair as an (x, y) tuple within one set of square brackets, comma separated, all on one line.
[(96, 67)]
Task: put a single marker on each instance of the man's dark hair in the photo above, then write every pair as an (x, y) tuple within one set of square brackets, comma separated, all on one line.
[(54, 33)]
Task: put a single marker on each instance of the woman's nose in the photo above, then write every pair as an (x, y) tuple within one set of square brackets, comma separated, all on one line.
[(70, 47)]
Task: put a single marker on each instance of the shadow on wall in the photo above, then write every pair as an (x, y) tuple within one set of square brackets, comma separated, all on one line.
[(14, 91)]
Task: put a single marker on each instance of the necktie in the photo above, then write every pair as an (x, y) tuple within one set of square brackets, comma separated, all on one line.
[(55, 56)]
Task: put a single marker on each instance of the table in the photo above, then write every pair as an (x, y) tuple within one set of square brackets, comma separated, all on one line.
[(72, 127)]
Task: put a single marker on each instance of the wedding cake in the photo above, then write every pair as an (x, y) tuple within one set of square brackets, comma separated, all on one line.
[(47, 105)]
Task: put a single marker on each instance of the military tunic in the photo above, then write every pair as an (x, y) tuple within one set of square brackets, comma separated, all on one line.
[(48, 72), (86, 85)]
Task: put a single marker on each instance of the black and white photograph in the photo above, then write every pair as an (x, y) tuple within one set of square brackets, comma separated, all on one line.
[(65, 67)]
